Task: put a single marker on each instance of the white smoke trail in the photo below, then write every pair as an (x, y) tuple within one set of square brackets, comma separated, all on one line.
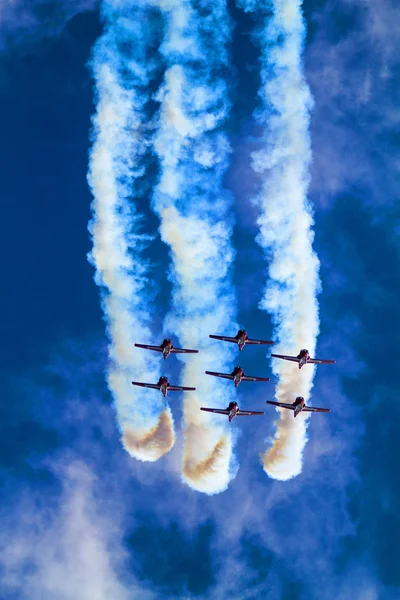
[(196, 224), (285, 221), (115, 163)]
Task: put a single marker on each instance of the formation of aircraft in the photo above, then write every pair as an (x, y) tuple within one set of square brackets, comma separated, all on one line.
[(164, 386), (241, 339), (232, 410), (237, 375), (298, 406), (166, 348), (303, 358)]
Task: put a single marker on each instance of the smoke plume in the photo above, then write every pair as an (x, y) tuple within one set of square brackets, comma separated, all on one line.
[(285, 221), (196, 224), (116, 162)]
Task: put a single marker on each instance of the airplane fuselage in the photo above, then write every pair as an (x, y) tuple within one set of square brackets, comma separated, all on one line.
[(241, 337), (163, 385), (236, 380), (237, 375), (303, 357), (299, 404), (233, 409), (166, 347)]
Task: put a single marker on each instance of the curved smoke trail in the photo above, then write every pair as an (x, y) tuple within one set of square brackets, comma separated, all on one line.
[(115, 164), (196, 224), (285, 221)]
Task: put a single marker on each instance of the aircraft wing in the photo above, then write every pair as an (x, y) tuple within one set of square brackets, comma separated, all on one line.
[(183, 351), (218, 411), (318, 361), (249, 378), (292, 358), (152, 386), (249, 341), (148, 347), (224, 338), (248, 413), (315, 409), (180, 388), (282, 404), (223, 375)]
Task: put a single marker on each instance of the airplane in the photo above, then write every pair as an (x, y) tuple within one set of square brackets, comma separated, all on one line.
[(298, 406), (164, 386), (237, 376), (166, 348), (240, 339), (232, 411), (303, 358)]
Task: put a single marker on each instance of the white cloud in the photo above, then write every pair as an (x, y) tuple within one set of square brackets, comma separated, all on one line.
[(352, 75), (22, 21), (66, 550)]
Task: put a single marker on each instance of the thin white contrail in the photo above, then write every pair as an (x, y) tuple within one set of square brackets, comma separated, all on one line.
[(285, 221), (197, 226), (121, 80)]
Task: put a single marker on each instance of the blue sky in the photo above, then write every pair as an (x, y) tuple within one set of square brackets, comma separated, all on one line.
[(82, 519)]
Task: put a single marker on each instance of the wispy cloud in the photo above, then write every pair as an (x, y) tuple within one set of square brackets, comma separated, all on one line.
[(22, 22), (196, 224), (65, 548), (356, 100), (115, 164)]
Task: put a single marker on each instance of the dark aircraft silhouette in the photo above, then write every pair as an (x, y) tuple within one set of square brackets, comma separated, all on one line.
[(164, 386), (237, 376), (166, 348), (232, 411), (303, 358), (298, 406), (240, 339)]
